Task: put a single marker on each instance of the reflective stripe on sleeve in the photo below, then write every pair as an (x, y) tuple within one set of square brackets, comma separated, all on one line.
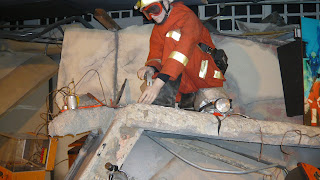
[(174, 34), (203, 68), (218, 74), (158, 60), (314, 116), (310, 101), (179, 57)]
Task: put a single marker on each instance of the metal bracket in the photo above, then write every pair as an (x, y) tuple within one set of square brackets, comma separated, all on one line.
[(148, 77)]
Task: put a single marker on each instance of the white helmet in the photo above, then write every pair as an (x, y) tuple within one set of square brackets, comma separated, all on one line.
[(143, 3)]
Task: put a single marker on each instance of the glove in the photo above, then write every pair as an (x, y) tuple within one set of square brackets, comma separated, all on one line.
[(151, 92)]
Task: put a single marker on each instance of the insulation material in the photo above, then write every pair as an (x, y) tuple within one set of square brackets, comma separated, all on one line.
[(254, 79), (82, 51), (133, 53), (91, 51), (254, 67), (253, 76)]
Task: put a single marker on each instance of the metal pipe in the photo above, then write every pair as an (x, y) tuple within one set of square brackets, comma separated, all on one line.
[(206, 169), (61, 30), (214, 155), (51, 109), (22, 26), (30, 35), (57, 24), (49, 42), (281, 166)]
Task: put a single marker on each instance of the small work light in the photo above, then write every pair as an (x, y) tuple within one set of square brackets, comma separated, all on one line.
[(223, 105), (220, 105)]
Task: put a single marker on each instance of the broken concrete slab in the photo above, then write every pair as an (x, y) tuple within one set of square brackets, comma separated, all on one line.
[(129, 122), (77, 121), (235, 127), (177, 121), (114, 148)]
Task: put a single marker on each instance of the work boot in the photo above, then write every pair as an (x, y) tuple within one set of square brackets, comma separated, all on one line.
[(167, 95)]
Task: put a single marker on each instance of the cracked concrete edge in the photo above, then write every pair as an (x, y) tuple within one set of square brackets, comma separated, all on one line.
[(114, 148), (237, 128), (177, 121), (77, 121)]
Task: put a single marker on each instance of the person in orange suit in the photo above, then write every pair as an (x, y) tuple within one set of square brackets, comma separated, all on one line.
[(314, 102), (176, 59)]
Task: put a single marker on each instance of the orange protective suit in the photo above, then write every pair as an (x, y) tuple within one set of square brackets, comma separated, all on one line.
[(174, 50), (314, 102)]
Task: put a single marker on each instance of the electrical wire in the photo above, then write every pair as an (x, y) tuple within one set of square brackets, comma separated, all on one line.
[(48, 112), (60, 162), (74, 88), (42, 124), (206, 169), (55, 40), (64, 91), (281, 145), (242, 115), (299, 133), (105, 100)]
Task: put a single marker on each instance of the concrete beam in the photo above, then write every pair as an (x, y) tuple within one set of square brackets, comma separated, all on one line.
[(177, 121), (126, 127), (237, 128)]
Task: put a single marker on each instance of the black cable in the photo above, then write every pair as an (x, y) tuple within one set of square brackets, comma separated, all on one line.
[(31, 36), (99, 82), (206, 105), (56, 39), (40, 128)]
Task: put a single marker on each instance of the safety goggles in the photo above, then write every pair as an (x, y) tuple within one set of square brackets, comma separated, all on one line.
[(153, 9)]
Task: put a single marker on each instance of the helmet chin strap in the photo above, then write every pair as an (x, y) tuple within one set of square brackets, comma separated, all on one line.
[(166, 15)]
